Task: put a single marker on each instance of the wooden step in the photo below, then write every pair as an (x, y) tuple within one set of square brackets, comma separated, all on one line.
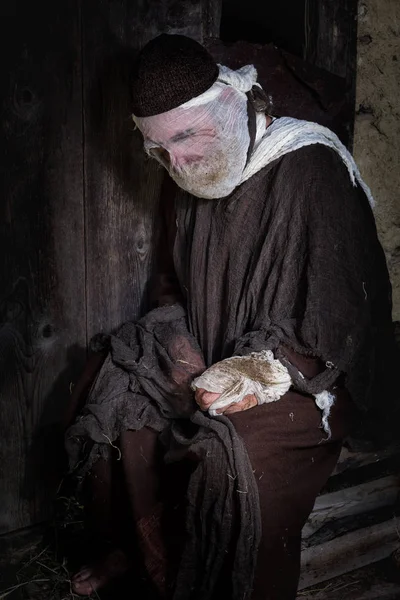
[(379, 591), (353, 460), (352, 501), (349, 552)]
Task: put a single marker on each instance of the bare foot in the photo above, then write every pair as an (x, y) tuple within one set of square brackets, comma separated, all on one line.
[(90, 579)]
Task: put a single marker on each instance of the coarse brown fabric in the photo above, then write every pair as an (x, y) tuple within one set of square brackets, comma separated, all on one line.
[(291, 459), (289, 262), (291, 258), (169, 71)]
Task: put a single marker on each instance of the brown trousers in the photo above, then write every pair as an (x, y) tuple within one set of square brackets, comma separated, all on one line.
[(291, 457)]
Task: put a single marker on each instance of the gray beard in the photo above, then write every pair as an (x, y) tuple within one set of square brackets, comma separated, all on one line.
[(216, 178)]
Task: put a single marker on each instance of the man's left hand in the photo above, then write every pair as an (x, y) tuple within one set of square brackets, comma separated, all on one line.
[(205, 399)]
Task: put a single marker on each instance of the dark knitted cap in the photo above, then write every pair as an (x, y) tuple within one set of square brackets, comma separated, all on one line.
[(170, 70)]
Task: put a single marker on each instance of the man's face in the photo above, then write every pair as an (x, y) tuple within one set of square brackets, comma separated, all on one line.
[(197, 147)]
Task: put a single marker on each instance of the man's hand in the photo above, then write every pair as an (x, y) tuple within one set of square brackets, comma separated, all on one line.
[(205, 399)]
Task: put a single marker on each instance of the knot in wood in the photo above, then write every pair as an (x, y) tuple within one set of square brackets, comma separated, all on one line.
[(141, 241), (25, 102), (47, 331)]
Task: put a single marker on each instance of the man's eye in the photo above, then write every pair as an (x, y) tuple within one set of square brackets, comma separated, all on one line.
[(160, 154)]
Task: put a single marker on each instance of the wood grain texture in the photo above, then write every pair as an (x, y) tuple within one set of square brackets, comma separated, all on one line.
[(331, 43), (78, 213), (352, 501), (211, 18), (378, 591), (331, 35), (348, 552), (42, 300), (122, 186), (349, 460)]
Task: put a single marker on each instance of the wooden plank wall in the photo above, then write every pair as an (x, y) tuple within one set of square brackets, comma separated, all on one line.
[(42, 271), (78, 213), (122, 186)]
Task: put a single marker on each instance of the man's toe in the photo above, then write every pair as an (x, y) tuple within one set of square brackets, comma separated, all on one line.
[(81, 575)]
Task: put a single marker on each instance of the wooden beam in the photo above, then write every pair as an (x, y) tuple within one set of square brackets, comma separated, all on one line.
[(212, 11), (331, 41), (352, 501), (331, 35), (348, 552), (349, 460)]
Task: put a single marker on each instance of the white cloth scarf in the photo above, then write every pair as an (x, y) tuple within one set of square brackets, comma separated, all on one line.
[(286, 135)]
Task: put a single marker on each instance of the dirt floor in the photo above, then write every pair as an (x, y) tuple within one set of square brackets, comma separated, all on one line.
[(37, 565), (380, 581)]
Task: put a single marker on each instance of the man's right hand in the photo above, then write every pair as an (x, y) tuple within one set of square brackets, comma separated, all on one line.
[(204, 398)]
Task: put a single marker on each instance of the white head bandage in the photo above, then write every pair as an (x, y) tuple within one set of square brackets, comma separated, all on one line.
[(204, 142)]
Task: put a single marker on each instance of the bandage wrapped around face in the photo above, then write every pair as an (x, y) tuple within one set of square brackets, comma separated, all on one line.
[(203, 143)]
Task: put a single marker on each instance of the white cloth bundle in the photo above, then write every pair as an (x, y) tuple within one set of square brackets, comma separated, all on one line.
[(260, 374), (234, 378)]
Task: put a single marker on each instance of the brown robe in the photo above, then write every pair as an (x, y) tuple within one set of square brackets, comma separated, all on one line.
[(289, 262)]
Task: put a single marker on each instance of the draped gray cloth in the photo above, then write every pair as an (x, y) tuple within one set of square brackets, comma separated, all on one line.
[(144, 383)]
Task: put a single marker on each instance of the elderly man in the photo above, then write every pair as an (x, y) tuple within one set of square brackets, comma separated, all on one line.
[(273, 313)]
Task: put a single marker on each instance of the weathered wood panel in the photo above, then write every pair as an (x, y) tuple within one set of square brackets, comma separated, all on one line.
[(349, 460), (42, 296), (352, 501), (331, 42), (348, 552), (48, 235), (331, 39), (378, 591), (211, 18), (122, 187)]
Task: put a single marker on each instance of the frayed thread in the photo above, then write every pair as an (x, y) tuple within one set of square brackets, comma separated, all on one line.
[(325, 400)]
